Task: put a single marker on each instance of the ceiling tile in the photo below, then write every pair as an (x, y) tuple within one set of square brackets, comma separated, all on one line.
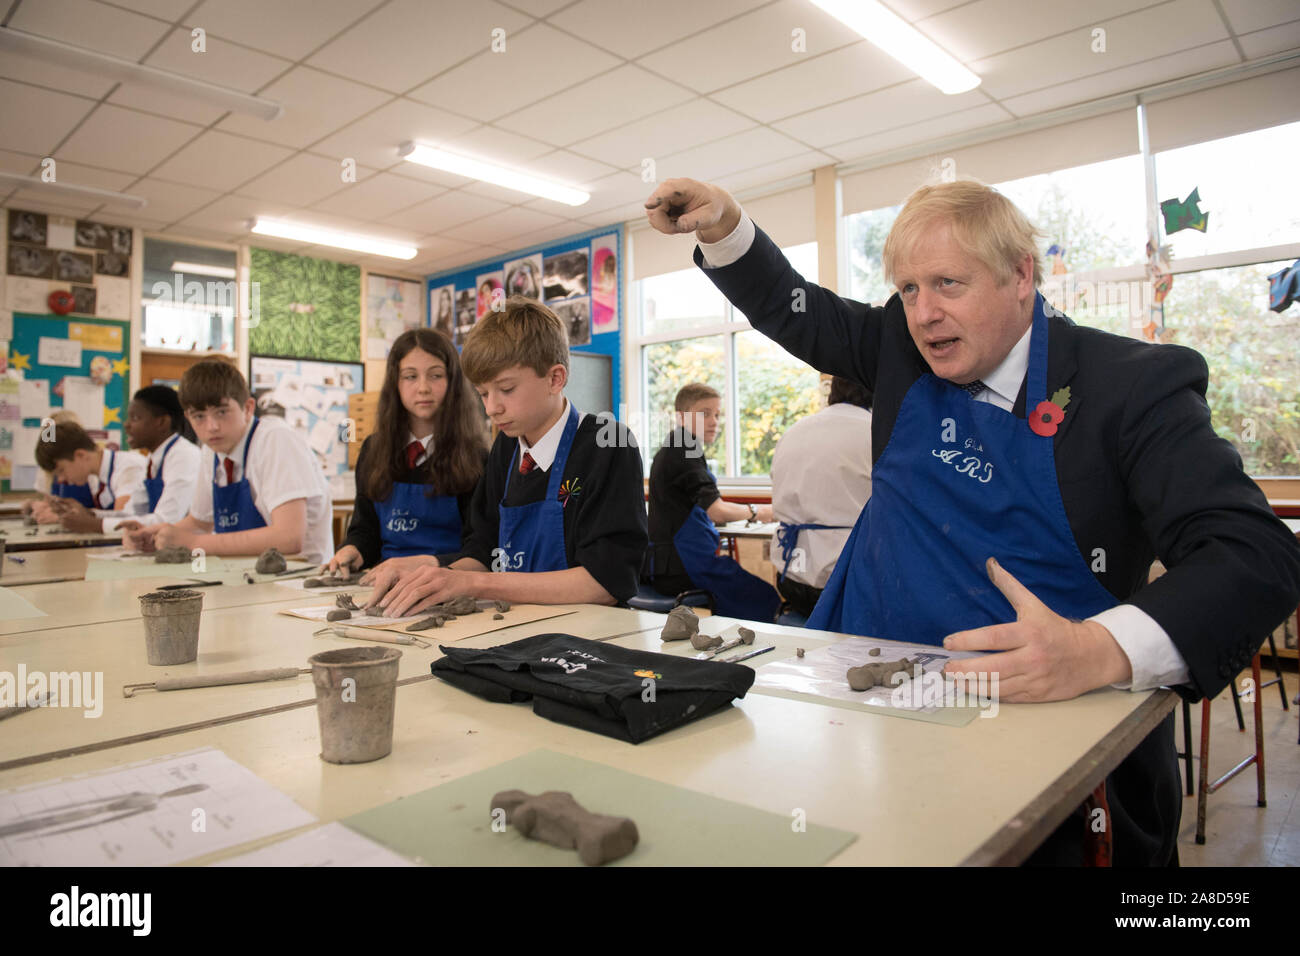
[(300, 181), (170, 10), (917, 133), (441, 212), (170, 201), (908, 102), (315, 105), (550, 234), (54, 76), (569, 167), (229, 215), (470, 255), (377, 196), (24, 164), (536, 62), (721, 157), (914, 10), (627, 93), (672, 130), (765, 173), (628, 212), (408, 42), (374, 138), (123, 139), (502, 227), (614, 190), (287, 28), (76, 173), (1247, 16), (34, 120), (538, 8), (981, 29), (221, 161), (749, 45), (630, 28), (1285, 36), (494, 145), (95, 26), (838, 75), (364, 227)]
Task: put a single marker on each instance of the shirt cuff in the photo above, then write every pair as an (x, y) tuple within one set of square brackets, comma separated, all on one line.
[(730, 248), (1151, 652)]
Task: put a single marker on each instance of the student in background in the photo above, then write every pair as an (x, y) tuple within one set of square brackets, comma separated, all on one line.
[(45, 483), (259, 485), (685, 504), (557, 515), (821, 480), (417, 473), (97, 482)]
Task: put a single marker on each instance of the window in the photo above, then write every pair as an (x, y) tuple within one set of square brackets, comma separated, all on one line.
[(690, 333), (189, 297)]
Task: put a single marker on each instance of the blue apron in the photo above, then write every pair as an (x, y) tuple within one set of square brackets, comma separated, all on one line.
[(787, 536), (79, 493), (531, 537), (913, 568), (232, 505), (736, 592), (411, 522), (153, 487)]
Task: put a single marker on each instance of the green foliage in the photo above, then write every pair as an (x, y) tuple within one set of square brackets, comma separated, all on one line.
[(288, 287)]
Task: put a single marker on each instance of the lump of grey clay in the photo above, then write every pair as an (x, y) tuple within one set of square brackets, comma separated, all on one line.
[(702, 642), (339, 614), (746, 635), (798, 652), (271, 561), (345, 601), (459, 606), (172, 556), (874, 652), (434, 620), (869, 675), (501, 606), (314, 582), (681, 624), (498, 617), (556, 818)]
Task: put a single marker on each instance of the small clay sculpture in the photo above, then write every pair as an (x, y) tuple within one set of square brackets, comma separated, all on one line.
[(434, 620), (869, 675), (746, 635), (874, 652), (338, 614), (459, 606), (798, 652), (313, 582), (344, 600), (556, 818), (501, 606), (271, 561), (702, 642), (498, 617), (681, 624), (175, 555)]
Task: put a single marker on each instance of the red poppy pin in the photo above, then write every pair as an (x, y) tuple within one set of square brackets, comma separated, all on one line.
[(1047, 415)]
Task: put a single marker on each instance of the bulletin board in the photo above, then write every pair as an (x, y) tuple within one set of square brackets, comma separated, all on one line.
[(76, 363), (306, 308), (579, 278), (312, 397)]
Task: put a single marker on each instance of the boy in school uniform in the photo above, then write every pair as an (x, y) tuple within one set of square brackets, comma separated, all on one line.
[(557, 517), (90, 483), (258, 485), (155, 425), (685, 504)]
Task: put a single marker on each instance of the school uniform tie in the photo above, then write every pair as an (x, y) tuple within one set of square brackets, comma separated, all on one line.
[(413, 452), (526, 464), (973, 388), (230, 472), (148, 472)]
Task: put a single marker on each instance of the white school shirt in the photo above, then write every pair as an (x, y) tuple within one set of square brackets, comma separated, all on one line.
[(1151, 652), (821, 474), (128, 473), (178, 474), (282, 467), (544, 451)]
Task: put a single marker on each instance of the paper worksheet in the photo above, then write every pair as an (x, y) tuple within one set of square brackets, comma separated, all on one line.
[(330, 845), (153, 813), (468, 625)]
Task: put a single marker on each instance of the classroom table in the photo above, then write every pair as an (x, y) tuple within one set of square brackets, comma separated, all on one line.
[(18, 537), (914, 793), (40, 567)]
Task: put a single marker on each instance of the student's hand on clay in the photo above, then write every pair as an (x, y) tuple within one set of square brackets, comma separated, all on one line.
[(419, 588), (45, 514), (399, 565), (347, 557), (685, 205), (1043, 656), (129, 526), (172, 536), (143, 539), (80, 519)]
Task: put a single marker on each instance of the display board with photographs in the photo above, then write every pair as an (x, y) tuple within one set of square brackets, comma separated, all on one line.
[(392, 306), (90, 260), (579, 278), (313, 398)]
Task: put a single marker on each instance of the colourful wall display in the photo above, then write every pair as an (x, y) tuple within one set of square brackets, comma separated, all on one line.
[(90, 261), (305, 308), (313, 398)]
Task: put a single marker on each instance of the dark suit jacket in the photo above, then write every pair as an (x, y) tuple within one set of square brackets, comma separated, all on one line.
[(1141, 471)]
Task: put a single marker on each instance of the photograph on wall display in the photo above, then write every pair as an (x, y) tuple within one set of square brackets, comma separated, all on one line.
[(34, 262), (604, 284), (442, 310), (466, 314), (491, 287), (120, 240), (576, 316), (392, 307), (83, 299), (28, 227), (94, 235), (74, 266), (112, 264), (565, 275), (524, 276)]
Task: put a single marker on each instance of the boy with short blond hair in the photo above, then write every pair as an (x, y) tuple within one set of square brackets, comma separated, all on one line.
[(259, 485), (558, 516)]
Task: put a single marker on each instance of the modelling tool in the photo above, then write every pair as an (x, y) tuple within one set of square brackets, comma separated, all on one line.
[(215, 680), (367, 634), (747, 655), (185, 585)]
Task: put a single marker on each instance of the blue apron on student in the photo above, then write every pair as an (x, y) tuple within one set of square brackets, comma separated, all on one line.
[(959, 482), (411, 522), (232, 505), (79, 493), (531, 537), (787, 537), (153, 487), (736, 592)]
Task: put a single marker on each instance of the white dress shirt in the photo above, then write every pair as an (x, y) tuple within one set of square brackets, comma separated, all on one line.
[(1151, 652), (178, 474), (544, 451), (127, 472), (410, 437)]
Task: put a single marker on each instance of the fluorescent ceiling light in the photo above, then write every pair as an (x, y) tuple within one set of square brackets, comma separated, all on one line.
[(903, 42), (68, 189), (489, 173), (329, 237), (101, 64), (199, 269)]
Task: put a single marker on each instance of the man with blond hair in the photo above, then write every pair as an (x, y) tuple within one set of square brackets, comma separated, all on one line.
[(1026, 473)]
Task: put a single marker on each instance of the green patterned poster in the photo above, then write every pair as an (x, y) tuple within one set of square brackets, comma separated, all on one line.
[(307, 308)]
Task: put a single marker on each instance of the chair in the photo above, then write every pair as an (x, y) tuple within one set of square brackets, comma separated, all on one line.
[(791, 618), (1257, 758), (648, 599)]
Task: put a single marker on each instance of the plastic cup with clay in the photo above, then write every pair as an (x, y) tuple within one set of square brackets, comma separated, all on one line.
[(171, 625), (356, 696)]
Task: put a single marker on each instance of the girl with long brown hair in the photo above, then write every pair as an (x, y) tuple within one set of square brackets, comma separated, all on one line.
[(417, 472)]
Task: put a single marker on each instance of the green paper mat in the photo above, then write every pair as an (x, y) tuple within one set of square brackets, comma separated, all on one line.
[(225, 569), (451, 825), (14, 606)]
